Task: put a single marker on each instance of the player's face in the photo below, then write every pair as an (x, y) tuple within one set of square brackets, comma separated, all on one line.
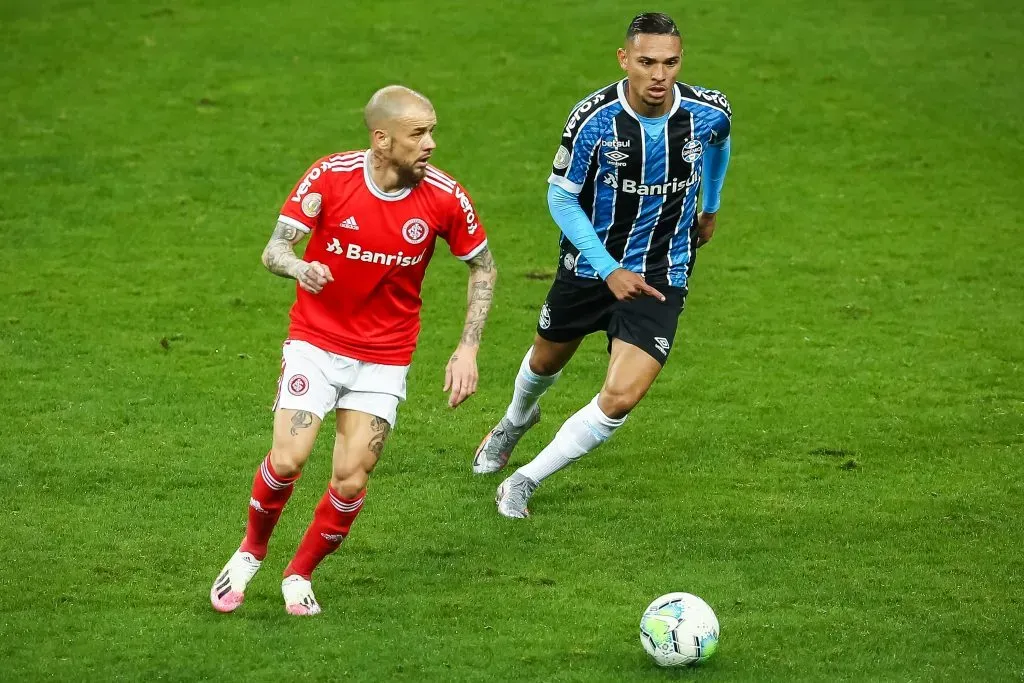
[(412, 142), (651, 63)]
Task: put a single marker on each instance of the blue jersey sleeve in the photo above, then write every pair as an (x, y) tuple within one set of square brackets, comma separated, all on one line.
[(580, 137), (721, 122), (721, 128), (716, 161), (574, 224)]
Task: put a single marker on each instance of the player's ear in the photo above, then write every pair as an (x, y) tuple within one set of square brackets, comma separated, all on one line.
[(381, 140), (623, 60)]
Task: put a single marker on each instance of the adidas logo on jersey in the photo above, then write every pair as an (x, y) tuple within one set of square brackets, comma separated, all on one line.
[(350, 223)]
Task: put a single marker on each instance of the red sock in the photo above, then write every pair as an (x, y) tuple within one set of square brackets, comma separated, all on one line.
[(331, 523), (270, 492)]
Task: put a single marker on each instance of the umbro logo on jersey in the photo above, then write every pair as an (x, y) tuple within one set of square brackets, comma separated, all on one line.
[(350, 223), (616, 155), (662, 344), (335, 246)]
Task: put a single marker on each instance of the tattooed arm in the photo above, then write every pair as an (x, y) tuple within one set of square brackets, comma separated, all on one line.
[(482, 276), (461, 374), (280, 259)]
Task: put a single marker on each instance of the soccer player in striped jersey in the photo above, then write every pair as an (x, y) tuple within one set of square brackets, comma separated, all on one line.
[(624, 188)]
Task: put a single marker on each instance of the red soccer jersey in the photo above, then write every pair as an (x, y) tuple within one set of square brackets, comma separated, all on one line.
[(377, 246)]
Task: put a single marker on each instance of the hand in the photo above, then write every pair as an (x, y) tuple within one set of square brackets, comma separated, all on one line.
[(627, 285), (313, 276), (460, 376), (705, 227)]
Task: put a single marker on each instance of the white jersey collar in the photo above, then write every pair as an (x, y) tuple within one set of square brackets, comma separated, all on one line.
[(676, 101), (372, 186)]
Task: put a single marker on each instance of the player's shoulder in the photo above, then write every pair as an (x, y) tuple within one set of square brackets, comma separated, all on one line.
[(593, 110), (440, 182), (604, 94), (699, 95), (342, 162)]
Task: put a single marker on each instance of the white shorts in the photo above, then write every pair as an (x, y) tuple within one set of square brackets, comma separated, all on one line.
[(319, 381)]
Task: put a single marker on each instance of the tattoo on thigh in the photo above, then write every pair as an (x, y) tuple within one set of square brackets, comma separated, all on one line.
[(301, 420), (380, 428)]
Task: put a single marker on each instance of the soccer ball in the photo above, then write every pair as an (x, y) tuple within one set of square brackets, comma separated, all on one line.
[(679, 629)]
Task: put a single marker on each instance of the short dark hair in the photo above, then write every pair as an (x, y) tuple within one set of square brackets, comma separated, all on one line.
[(652, 23)]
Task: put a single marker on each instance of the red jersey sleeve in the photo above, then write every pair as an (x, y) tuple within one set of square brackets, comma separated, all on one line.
[(302, 208), (465, 233)]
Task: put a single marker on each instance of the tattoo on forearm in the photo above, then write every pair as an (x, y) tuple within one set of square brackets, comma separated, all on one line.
[(279, 255), (482, 262), (483, 274), (380, 428), (301, 420), (480, 297)]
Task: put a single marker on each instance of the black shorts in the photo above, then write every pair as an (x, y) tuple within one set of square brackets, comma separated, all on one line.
[(576, 307)]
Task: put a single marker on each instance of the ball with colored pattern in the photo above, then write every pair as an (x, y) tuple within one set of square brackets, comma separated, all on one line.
[(679, 629)]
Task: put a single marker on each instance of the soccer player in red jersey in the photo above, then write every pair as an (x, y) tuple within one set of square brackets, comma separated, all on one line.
[(373, 218)]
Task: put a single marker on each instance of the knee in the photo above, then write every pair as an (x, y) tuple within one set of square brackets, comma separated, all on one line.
[(544, 367), (616, 403), (349, 482), (287, 462), (544, 362)]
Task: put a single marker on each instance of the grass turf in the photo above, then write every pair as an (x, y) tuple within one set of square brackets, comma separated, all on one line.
[(831, 458)]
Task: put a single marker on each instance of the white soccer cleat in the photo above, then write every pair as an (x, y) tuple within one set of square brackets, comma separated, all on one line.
[(228, 590), (494, 451), (513, 495), (298, 596)]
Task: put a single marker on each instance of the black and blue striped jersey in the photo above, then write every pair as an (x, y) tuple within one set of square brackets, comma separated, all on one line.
[(638, 179)]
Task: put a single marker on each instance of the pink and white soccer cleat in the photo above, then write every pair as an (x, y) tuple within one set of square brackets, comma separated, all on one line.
[(298, 596), (228, 590)]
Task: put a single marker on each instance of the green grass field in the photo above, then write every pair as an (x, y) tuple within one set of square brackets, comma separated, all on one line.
[(832, 458)]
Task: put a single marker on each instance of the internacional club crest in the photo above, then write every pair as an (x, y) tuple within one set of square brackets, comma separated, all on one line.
[(415, 230), (298, 385)]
